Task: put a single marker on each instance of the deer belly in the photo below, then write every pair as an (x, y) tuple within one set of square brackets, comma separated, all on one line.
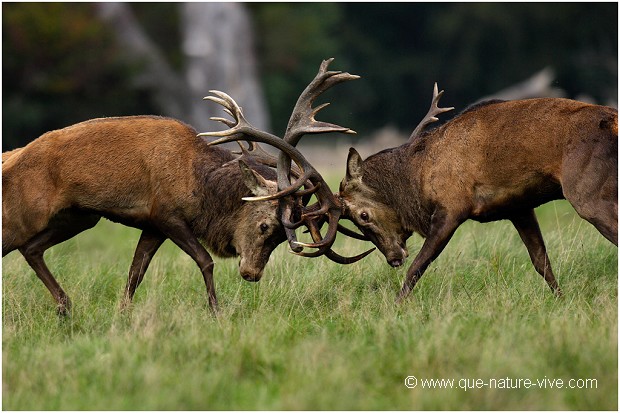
[(120, 204), (491, 203)]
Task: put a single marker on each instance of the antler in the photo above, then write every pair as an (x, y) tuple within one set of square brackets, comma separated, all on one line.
[(302, 121), (431, 115)]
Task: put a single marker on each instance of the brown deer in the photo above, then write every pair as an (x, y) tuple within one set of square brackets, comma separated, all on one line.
[(496, 160), (157, 175)]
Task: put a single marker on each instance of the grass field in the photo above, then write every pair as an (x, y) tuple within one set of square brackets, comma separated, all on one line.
[(315, 335)]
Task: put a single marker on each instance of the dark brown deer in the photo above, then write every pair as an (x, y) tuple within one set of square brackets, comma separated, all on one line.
[(157, 175), (497, 160)]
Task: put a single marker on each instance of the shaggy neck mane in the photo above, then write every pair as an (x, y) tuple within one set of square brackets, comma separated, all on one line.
[(387, 174), (221, 199)]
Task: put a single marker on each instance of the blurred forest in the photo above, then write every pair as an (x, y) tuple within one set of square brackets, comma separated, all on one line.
[(67, 62)]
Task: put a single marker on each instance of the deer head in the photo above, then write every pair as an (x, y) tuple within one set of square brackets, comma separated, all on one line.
[(371, 213), (364, 200), (259, 229)]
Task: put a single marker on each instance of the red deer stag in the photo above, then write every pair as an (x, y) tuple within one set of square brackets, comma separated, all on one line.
[(496, 160), (154, 174)]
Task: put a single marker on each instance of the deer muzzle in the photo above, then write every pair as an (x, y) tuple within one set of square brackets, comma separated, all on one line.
[(249, 273), (252, 277), (397, 258)]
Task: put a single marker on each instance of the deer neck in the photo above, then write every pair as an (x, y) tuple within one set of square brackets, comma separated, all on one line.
[(395, 175)]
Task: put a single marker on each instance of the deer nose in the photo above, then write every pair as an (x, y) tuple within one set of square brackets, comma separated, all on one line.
[(251, 277), (398, 259), (396, 262)]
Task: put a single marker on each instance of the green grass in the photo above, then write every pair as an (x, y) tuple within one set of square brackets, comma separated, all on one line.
[(315, 335)]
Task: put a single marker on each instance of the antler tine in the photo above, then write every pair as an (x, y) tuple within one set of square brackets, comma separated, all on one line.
[(302, 119), (251, 134), (330, 237), (238, 125), (432, 113)]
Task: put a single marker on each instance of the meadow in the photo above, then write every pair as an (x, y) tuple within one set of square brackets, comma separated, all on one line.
[(312, 335)]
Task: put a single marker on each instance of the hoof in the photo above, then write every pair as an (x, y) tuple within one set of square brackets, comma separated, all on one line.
[(402, 296), (63, 309)]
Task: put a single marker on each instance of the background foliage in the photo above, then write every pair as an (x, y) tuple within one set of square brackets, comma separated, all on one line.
[(61, 64)]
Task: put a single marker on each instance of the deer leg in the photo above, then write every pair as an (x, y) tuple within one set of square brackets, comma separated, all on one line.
[(442, 228), (182, 236), (590, 184), (149, 243), (529, 231), (34, 249), (602, 214)]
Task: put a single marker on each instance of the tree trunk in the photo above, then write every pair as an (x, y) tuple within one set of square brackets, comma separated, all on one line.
[(217, 43)]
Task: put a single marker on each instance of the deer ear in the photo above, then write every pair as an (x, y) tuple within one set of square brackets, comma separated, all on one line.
[(354, 165), (253, 180)]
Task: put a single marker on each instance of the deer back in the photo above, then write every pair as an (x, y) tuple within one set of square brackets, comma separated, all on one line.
[(127, 169), (513, 152)]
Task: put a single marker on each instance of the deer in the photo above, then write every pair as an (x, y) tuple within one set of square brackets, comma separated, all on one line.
[(497, 160), (158, 175)]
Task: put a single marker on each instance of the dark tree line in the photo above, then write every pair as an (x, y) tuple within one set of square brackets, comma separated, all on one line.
[(63, 63)]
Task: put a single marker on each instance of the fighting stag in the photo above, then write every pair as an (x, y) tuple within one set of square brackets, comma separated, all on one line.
[(157, 175), (497, 160), (147, 172)]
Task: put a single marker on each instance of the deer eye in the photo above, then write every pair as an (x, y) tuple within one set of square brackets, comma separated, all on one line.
[(263, 228), (364, 216)]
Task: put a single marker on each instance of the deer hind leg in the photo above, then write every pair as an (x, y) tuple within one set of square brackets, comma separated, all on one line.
[(590, 184), (596, 203), (443, 226), (529, 231), (600, 213), (59, 230), (180, 233), (149, 243)]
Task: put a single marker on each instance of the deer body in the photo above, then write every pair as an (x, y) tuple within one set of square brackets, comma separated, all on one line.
[(147, 172), (497, 160)]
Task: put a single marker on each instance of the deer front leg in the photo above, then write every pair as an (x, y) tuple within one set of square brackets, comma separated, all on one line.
[(442, 228), (529, 231), (149, 243), (180, 233)]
